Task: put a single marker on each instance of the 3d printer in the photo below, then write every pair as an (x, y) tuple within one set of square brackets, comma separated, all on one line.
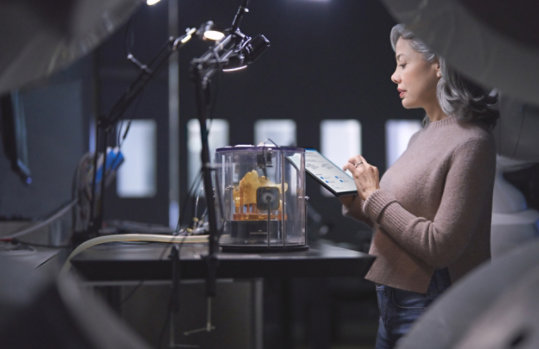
[(263, 197)]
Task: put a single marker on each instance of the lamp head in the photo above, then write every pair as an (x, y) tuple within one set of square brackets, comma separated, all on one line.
[(248, 50), (207, 32)]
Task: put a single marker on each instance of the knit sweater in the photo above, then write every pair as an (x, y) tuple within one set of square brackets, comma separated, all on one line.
[(433, 208)]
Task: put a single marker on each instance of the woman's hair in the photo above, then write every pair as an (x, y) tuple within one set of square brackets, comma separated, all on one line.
[(457, 95)]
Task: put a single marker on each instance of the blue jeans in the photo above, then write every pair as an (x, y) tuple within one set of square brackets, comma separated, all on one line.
[(399, 309)]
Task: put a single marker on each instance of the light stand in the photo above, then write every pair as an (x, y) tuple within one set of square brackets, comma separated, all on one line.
[(235, 50), (105, 124)]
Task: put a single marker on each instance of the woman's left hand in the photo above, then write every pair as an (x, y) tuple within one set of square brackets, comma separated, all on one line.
[(366, 176)]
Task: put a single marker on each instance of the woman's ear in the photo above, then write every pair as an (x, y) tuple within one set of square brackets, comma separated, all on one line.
[(438, 69)]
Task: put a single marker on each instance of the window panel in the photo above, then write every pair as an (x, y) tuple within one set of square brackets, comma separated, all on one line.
[(339, 141), (281, 131), (137, 175)]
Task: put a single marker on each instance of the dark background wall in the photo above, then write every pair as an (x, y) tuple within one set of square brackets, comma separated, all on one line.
[(327, 60), (57, 112)]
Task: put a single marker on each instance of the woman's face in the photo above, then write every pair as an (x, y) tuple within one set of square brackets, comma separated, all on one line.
[(416, 78)]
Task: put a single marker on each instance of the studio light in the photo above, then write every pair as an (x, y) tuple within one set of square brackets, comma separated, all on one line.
[(152, 2), (246, 52), (206, 32)]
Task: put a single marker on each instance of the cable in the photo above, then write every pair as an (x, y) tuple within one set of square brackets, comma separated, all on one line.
[(132, 292), (40, 225), (189, 195), (33, 244), (81, 192), (128, 36), (130, 238), (121, 138)]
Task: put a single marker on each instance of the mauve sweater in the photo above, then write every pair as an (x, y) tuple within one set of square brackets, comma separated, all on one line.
[(433, 208)]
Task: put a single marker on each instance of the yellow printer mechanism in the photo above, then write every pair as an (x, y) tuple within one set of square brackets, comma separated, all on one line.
[(264, 197)]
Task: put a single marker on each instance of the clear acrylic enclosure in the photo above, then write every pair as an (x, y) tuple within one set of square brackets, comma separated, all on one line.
[(261, 191)]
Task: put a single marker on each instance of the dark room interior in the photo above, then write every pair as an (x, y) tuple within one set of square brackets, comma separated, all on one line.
[(67, 92)]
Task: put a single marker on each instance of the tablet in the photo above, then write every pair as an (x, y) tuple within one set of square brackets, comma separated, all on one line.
[(331, 176)]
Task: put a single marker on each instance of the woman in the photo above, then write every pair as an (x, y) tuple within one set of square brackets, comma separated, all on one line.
[(431, 210)]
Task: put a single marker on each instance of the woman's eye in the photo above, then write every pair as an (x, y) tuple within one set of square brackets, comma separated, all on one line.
[(403, 65)]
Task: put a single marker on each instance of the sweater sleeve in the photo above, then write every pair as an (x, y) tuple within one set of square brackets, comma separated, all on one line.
[(466, 195), (355, 210)]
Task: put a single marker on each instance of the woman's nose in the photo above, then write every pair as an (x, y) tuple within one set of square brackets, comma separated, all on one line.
[(395, 77)]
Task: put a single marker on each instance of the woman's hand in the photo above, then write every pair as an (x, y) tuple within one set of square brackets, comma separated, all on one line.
[(365, 175)]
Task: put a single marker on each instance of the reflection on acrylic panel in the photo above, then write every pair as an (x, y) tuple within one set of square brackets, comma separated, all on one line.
[(398, 133), (281, 131), (137, 175), (339, 141), (217, 137)]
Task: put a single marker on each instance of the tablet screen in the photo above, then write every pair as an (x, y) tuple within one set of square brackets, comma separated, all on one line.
[(328, 174)]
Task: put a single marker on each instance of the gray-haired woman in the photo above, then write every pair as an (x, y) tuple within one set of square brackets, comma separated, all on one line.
[(431, 210)]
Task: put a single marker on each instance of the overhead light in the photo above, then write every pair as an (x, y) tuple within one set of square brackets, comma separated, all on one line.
[(241, 67), (206, 32), (213, 35), (152, 2)]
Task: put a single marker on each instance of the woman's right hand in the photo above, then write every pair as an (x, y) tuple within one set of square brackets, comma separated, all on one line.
[(366, 176), (347, 200)]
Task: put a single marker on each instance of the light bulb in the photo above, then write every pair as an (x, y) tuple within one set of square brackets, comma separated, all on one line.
[(213, 35)]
